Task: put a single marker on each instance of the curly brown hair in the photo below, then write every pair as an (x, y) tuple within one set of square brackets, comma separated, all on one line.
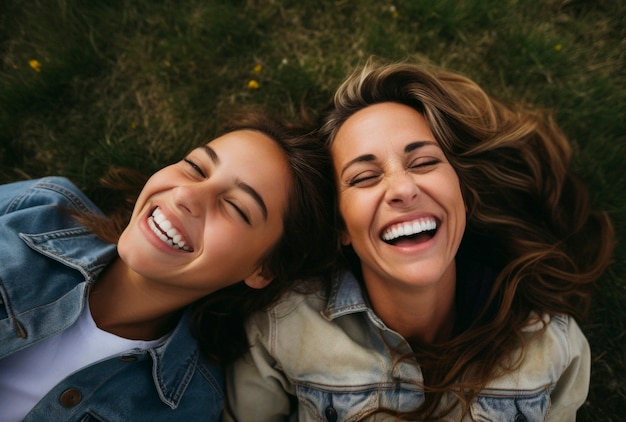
[(523, 201)]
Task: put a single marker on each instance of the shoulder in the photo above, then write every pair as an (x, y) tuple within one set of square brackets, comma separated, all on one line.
[(570, 344), (48, 191), (551, 380), (302, 306), (562, 337), (552, 343), (307, 296), (39, 215)]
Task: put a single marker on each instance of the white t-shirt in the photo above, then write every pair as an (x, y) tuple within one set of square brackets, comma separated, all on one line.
[(27, 376)]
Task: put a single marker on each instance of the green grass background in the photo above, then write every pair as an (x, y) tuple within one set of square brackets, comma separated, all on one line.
[(137, 83)]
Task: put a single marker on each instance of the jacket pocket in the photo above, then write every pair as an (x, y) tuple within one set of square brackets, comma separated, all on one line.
[(513, 406), (355, 403)]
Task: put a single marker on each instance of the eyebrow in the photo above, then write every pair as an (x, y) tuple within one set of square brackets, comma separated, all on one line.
[(418, 144), (211, 153), (360, 159), (255, 195), (241, 185), (371, 157)]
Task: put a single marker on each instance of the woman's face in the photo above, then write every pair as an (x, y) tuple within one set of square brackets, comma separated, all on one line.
[(207, 221), (399, 197)]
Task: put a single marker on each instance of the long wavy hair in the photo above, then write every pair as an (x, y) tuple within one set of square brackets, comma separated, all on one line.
[(523, 201), (304, 249)]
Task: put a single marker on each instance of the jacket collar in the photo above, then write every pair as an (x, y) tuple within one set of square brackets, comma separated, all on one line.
[(68, 246), (174, 361), (346, 296)]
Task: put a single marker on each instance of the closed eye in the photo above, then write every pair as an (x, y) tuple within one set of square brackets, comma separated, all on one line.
[(239, 211), (363, 179), (424, 163), (195, 167)]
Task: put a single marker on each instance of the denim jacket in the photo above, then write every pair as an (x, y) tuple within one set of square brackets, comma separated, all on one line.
[(333, 355), (47, 264)]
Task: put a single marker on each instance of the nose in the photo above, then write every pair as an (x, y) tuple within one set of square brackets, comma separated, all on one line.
[(401, 189), (191, 198)]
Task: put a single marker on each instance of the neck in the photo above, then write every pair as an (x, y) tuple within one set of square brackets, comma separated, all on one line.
[(423, 313), (123, 304)]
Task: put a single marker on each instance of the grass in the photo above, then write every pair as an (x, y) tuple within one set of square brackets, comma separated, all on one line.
[(138, 83)]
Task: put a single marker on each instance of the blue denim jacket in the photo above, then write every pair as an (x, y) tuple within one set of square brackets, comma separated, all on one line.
[(47, 264), (335, 357)]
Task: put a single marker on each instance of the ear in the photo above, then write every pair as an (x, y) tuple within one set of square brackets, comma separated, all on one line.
[(258, 280), (344, 238)]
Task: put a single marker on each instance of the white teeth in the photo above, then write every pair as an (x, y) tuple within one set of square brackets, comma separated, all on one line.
[(158, 216), (409, 229), (164, 230)]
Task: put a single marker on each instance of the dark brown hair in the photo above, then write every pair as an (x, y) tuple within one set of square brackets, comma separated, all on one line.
[(523, 201), (303, 250)]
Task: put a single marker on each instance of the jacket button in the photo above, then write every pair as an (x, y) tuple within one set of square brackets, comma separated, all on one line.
[(70, 397), (331, 414), (520, 417)]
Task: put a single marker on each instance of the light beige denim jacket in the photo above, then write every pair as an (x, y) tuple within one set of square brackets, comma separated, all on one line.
[(333, 357)]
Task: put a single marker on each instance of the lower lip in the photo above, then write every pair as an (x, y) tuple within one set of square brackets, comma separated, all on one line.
[(415, 248)]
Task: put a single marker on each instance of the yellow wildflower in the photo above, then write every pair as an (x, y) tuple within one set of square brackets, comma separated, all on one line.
[(35, 65), (394, 11), (252, 84), (558, 47), (258, 68)]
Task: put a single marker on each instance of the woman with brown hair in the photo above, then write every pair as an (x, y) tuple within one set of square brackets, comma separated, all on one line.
[(470, 250), (105, 318)]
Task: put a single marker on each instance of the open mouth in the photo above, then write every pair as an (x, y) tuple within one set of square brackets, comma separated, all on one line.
[(164, 230), (410, 232)]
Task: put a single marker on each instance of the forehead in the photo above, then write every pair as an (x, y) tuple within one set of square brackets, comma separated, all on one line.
[(382, 124), (246, 139), (249, 147), (256, 159)]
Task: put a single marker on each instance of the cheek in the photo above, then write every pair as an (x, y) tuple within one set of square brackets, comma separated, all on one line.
[(121, 243), (165, 178), (451, 184), (355, 215), (237, 250), (456, 199), (458, 210), (130, 250), (220, 241), (446, 190), (156, 183)]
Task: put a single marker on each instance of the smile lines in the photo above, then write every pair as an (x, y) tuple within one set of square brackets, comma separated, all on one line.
[(164, 230)]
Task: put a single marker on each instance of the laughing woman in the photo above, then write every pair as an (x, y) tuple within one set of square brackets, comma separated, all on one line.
[(99, 325), (470, 250)]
